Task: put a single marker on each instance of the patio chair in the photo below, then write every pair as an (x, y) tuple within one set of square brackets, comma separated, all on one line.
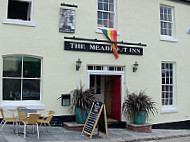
[(21, 115), (46, 119), (7, 119), (31, 120)]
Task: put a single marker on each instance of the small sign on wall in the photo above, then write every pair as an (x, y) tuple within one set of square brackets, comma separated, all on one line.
[(188, 31), (67, 21)]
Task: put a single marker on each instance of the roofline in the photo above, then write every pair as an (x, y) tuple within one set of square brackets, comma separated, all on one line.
[(182, 1)]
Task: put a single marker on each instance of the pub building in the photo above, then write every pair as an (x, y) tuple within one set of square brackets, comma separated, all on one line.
[(48, 48)]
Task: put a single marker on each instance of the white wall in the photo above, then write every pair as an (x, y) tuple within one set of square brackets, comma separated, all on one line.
[(137, 21)]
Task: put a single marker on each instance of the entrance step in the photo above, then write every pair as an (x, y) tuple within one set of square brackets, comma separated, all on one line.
[(73, 126), (140, 128), (78, 127)]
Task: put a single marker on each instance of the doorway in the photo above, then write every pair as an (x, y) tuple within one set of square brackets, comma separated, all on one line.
[(108, 90)]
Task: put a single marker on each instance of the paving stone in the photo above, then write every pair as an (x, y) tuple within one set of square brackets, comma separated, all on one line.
[(60, 134)]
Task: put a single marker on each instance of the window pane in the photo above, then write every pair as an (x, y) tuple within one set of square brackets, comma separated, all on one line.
[(105, 6), (169, 10), (100, 22), (11, 89), (32, 67), (105, 23), (111, 68), (110, 1), (111, 16), (105, 15), (165, 10), (99, 15), (169, 32), (12, 66), (161, 16), (19, 10), (169, 26), (98, 84), (110, 24), (163, 80), (31, 90), (171, 102), (111, 7), (161, 10), (100, 6), (90, 67)]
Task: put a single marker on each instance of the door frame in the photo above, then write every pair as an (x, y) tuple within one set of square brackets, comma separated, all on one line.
[(111, 73)]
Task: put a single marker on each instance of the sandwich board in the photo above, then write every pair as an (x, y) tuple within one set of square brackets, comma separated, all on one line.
[(96, 118)]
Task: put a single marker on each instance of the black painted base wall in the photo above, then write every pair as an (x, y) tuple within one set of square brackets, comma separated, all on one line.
[(58, 121), (173, 125)]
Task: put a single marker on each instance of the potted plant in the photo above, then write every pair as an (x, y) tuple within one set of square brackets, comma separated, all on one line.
[(82, 101), (138, 106)]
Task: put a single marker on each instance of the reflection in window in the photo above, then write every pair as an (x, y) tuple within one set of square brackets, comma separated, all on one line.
[(21, 78)]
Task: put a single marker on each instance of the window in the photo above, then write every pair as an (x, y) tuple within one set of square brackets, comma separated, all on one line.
[(95, 83), (19, 12), (106, 13), (21, 78), (167, 84), (166, 20), (105, 68)]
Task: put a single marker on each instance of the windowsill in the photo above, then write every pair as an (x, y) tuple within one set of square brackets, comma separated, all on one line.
[(100, 32), (19, 22), (168, 38), (169, 110), (12, 105)]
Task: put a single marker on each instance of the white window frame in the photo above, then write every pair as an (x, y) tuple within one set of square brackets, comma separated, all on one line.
[(12, 105), (169, 108), (21, 22), (168, 37), (114, 23)]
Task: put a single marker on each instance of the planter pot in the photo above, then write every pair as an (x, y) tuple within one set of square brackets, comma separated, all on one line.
[(81, 115), (139, 118)]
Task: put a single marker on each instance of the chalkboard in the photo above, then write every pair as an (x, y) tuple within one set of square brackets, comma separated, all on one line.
[(96, 117)]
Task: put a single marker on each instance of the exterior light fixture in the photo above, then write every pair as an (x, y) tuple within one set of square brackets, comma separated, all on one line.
[(135, 66), (78, 64)]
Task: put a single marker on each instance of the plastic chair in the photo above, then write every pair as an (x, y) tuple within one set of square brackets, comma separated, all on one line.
[(6, 119), (46, 119), (31, 120)]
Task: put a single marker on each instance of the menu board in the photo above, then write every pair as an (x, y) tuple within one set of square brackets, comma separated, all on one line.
[(96, 117)]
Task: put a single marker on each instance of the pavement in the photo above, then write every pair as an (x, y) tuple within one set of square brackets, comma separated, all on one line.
[(60, 134)]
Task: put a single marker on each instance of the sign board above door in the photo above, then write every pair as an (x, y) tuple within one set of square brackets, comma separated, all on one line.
[(103, 48)]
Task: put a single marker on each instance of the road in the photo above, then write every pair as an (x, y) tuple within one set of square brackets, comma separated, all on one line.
[(180, 139)]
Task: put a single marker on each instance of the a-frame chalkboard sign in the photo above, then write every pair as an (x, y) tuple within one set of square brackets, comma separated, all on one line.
[(97, 117)]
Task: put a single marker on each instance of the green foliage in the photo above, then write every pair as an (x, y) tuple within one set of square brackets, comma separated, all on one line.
[(82, 98), (136, 102)]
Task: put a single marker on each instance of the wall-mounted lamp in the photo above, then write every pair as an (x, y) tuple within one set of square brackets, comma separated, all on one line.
[(135, 66), (78, 64)]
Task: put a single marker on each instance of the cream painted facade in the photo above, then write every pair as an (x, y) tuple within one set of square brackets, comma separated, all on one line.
[(136, 21)]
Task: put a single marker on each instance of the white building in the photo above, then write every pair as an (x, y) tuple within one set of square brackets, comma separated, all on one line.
[(36, 68)]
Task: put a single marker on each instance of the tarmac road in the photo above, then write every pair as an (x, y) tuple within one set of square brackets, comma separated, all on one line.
[(181, 139)]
